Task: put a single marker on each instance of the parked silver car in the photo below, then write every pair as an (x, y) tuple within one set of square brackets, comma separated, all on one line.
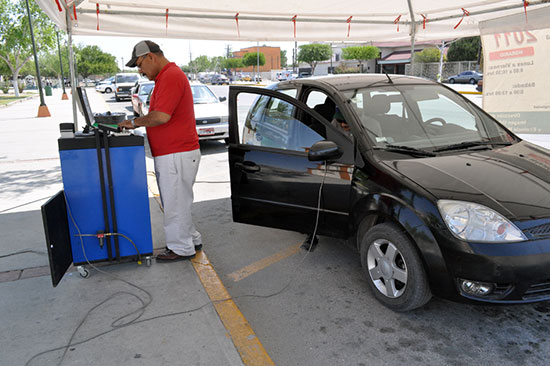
[(471, 77)]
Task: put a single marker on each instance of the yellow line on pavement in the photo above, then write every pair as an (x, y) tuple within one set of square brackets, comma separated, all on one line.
[(263, 263), (248, 345), (470, 92)]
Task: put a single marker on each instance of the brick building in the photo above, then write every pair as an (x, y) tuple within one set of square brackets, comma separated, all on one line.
[(272, 58)]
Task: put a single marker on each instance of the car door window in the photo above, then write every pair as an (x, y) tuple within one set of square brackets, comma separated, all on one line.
[(272, 122)]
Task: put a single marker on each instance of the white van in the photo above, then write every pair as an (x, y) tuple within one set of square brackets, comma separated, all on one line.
[(285, 75), (123, 83)]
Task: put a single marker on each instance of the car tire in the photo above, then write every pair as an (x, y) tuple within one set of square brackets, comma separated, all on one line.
[(108, 90), (393, 268), (452, 81), (226, 140), (117, 98), (472, 81)]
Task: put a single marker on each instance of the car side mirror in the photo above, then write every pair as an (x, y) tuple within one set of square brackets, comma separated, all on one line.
[(222, 99), (324, 150)]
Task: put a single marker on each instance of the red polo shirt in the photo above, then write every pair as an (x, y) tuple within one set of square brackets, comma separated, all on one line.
[(172, 95)]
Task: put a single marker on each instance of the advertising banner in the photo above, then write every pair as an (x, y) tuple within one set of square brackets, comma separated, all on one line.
[(516, 77)]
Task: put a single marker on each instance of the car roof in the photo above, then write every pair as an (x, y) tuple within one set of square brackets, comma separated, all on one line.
[(355, 81)]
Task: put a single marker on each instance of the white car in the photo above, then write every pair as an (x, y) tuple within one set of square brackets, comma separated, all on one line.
[(211, 114), (105, 86)]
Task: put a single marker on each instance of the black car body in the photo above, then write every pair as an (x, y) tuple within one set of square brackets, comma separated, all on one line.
[(437, 195)]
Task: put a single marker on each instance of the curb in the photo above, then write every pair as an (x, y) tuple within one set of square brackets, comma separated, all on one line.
[(18, 101)]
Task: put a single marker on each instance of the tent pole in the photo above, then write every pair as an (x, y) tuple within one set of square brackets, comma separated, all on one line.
[(71, 68), (413, 33)]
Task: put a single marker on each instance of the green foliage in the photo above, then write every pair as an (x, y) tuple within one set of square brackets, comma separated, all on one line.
[(49, 63), (430, 54), (465, 49), (284, 59), (216, 63), (313, 53), (360, 53), (5, 87), (91, 60), (346, 70), (200, 64), (232, 63), (251, 59), (15, 36)]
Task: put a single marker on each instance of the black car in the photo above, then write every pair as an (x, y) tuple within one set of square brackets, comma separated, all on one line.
[(437, 196)]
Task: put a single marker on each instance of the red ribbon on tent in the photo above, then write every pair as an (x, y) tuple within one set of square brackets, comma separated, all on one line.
[(424, 20), (97, 13), (58, 6), (396, 21), (166, 20), (294, 21), (465, 13), (237, 21), (349, 24), (74, 12), (525, 5)]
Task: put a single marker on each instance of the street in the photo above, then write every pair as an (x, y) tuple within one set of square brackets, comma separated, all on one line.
[(315, 308)]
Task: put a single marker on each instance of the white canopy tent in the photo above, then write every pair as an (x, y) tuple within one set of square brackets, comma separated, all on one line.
[(284, 20)]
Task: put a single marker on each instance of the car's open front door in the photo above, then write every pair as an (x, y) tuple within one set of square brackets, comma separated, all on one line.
[(272, 181)]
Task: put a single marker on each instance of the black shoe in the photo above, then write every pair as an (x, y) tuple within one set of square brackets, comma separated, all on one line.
[(170, 256)]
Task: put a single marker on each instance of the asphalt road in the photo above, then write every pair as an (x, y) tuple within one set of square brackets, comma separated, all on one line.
[(316, 309)]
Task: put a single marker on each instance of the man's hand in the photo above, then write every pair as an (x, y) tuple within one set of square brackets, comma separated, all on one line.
[(126, 124)]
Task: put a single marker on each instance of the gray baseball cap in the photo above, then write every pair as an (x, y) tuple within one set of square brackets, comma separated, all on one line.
[(140, 49)]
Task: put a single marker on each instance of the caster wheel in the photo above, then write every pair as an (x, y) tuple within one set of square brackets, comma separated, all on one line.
[(83, 272)]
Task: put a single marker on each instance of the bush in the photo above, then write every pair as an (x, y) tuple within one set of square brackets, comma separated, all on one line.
[(21, 86), (5, 87), (346, 70)]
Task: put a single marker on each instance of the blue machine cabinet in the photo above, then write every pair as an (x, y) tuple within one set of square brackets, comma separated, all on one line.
[(82, 186)]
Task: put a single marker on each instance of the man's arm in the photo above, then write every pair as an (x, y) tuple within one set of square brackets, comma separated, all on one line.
[(151, 119)]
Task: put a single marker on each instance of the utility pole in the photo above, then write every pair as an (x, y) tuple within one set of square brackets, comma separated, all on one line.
[(64, 95), (43, 109), (258, 60)]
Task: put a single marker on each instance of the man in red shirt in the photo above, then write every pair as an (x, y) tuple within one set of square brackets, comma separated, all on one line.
[(172, 135)]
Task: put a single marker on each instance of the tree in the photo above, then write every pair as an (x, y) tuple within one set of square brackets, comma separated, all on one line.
[(15, 34), (360, 53), (49, 63), (465, 49), (284, 59), (233, 63), (92, 61), (200, 64), (216, 63), (251, 59), (313, 53), (430, 54)]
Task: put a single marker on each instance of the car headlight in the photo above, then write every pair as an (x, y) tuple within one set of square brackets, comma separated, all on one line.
[(473, 222)]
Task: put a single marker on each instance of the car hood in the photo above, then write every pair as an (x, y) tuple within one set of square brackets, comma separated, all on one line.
[(514, 180), (210, 110)]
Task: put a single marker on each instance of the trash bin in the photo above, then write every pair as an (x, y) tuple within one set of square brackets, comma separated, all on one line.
[(48, 90)]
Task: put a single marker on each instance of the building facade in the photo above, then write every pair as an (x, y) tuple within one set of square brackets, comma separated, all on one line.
[(272, 58)]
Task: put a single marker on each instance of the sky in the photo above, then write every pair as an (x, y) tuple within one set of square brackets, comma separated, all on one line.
[(175, 50)]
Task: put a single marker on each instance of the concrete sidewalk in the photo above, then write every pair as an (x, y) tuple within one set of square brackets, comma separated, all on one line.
[(173, 322)]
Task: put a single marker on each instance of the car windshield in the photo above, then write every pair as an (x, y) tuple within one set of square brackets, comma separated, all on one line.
[(146, 88), (126, 78), (202, 95), (427, 117)]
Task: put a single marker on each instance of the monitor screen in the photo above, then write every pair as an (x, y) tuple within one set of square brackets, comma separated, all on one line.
[(84, 106)]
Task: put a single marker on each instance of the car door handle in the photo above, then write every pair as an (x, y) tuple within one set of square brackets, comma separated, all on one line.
[(248, 166)]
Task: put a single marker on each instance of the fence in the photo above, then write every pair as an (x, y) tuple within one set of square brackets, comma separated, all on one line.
[(431, 69)]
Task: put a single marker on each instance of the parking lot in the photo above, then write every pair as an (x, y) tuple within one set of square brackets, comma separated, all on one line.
[(315, 309)]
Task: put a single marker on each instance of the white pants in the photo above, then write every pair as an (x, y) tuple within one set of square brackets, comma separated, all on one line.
[(176, 175)]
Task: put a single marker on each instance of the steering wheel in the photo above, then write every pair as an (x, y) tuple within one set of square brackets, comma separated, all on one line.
[(435, 119)]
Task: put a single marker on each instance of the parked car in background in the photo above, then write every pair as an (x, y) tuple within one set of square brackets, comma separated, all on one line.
[(471, 77), (105, 86), (304, 75), (140, 92), (123, 85), (211, 114), (219, 79), (437, 196)]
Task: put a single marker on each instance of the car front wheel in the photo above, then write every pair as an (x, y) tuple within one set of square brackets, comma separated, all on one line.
[(108, 90), (393, 268), (472, 81), (452, 81)]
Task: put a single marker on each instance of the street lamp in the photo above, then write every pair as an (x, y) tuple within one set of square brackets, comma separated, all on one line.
[(43, 109)]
